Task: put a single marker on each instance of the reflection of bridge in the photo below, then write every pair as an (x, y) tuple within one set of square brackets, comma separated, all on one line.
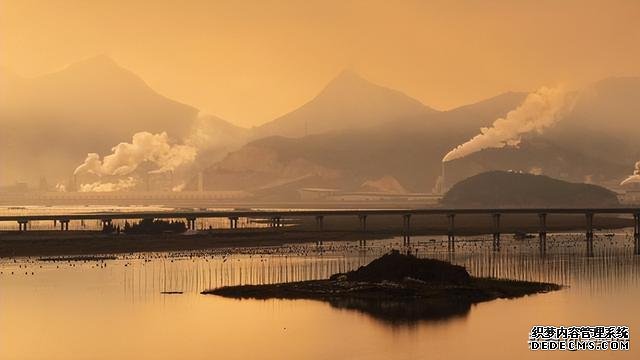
[(276, 217)]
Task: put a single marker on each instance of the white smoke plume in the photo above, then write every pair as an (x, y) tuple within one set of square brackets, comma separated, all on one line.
[(208, 138), (540, 110), (178, 187), (635, 178), (98, 186), (536, 170), (144, 147)]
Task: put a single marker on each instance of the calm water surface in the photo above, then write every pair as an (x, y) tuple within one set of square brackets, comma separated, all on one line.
[(115, 309)]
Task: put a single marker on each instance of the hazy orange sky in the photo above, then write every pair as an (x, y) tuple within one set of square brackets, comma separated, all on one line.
[(251, 61)]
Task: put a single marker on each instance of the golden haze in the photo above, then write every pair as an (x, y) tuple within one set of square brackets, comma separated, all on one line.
[(250, 61)]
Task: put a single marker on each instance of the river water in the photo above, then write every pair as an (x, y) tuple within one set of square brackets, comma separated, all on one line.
[(116, 309)]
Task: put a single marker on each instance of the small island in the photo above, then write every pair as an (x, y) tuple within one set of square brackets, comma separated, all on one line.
[(396, 288)]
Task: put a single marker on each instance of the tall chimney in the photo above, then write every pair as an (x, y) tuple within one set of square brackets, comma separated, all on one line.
[(200, 182), (443, 184)]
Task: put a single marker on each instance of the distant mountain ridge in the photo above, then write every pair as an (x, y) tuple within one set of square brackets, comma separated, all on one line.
[(408, 149), (595, 143), (351, 133), (52, 121), (98, 90), (347, 102)]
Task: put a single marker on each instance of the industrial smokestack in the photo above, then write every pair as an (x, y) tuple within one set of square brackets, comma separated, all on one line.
[(200, 181), (540, 110), (443, 184)]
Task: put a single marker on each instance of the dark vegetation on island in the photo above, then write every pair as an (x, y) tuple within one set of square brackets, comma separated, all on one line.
[(148, 226), (396, 288), (512, 189)]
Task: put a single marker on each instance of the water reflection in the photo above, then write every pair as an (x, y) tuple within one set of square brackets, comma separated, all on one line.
[(613, 263), (123, 299), (404, 312)]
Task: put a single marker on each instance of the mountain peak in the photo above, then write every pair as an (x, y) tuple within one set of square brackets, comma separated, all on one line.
[(348, 101), (348, 75), (99, 73), (101, 63), (349, 80)]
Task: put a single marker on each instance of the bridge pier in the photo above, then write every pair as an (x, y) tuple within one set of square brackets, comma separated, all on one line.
[(22, 225), (64, 225), (276, 222), (543, 232), (363, 222), (363, 228), (450, 232), (233, 222), (406, 229), (106, 223), (496, 231), (191, 223), (319, 227), (589, 233)]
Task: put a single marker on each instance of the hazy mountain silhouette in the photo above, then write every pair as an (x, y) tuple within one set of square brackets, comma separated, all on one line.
[(99, 92), (359, 132), (605, 122), (408, 149), (52, 121), (539, 155), (347, 102), (596, 142)]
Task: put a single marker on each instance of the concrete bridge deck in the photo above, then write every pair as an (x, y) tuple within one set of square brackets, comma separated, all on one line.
[(276, 215), (268, 213)]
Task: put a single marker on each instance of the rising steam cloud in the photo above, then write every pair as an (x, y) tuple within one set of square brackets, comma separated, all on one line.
[(120, 185), (635, 178), (158, 151), (144, 147), (540, 110)]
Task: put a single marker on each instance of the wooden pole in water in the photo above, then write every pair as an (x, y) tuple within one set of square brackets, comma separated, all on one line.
[(543, 232), (589, 218), (636, 233), (496, 231)]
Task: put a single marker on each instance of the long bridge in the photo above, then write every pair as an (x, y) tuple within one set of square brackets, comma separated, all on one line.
[(276, 217)]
